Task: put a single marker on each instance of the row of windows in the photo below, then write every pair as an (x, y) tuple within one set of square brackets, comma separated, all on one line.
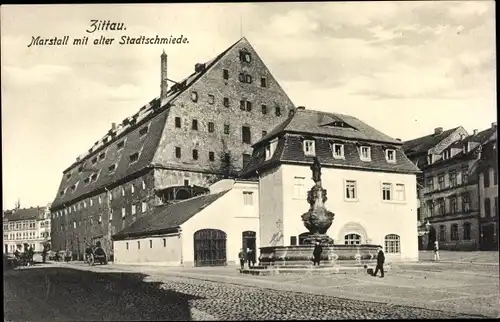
[(245, 105), (389, 191), (20, 225), (25, 235), (455, 178), (120, 145), (438, 206), (211, 155), (454, 232), (83, 204)]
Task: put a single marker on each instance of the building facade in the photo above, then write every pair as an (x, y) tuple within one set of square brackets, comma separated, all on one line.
[(488, 195), (371, 185), (26, 226), (199, 130), (451, 197), (424, 151), (205, 230)]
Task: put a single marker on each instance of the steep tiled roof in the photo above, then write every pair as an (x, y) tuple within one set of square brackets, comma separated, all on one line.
[(291, 133), (24, 214), (321, 123), (424, 143), (154, 115), (168, 216)]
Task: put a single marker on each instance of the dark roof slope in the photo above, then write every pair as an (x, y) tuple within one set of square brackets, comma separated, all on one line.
[(154, 114), (320, 123), (24, 214), (168, 216), (424, 143)]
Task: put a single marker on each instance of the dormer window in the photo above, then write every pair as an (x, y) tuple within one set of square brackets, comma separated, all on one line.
[(390, 155), (466, 147), (134, 157), (143, 131), (309, 148), (80, 168), (112, 168), (68, 175), (93, 177), (194, 96), (105, 140), (430, 159), (245, 56), (86, 180), (271, 148), (94, 160), (102, 155), (338, 151), (120, 145), (446, 154), (62, 192), (365, 153)]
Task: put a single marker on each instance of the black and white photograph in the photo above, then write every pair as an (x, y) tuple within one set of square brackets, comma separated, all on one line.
[(250, 161)]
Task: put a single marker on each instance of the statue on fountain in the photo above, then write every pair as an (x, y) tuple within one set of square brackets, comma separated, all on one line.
[(317, 220)]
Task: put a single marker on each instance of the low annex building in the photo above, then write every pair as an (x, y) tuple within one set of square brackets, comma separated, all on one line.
[(370, 183), (206, 230)]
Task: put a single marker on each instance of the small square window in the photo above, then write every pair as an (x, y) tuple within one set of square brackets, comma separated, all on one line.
[(263, 82), (249, 106), (277, 111), (194, 96), (94, 160), (195, 154), (143, 131), (309, 148), (264, 109), (211, 127), (112, 168), (338, 151), (225, 74), (211, 99), (177, 152), (226, 101), (120, 145), (243, 105), (194, 125), (390, 155), (226, 128), (211, 156), (134, 157), (177, 122), (102, 155)]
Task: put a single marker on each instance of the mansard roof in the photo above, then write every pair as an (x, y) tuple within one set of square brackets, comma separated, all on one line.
[(168, 217), (350, 132), (154, 115)]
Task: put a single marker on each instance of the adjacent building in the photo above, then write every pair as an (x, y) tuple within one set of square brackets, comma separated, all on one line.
[(26, 226), (488, 194), (370, 183), (197, 131), (204, 230), (450, 195)]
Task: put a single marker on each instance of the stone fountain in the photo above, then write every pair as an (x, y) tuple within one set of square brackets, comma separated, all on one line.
[(335, 257)]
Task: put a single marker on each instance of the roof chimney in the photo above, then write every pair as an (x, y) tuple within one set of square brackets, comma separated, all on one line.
[(475, 132), (164, 84), (438, 130), (113, 126), (493, 125), (198, 68)]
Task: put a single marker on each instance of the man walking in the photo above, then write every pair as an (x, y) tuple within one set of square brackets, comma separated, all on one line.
[(317, 253), (380, 263), (241, 256), (436, 251)]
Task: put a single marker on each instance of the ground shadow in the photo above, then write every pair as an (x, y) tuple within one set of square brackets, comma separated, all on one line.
[(64, 294)]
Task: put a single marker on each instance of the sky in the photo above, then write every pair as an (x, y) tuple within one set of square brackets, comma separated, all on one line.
[(405, 68)]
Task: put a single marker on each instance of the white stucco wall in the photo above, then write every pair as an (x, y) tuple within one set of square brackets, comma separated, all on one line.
[(271, 207), (164, 250), (369, 215), (228, 214)]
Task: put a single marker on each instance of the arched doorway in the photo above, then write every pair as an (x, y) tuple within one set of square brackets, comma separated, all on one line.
[(210, 248), (249, 240)]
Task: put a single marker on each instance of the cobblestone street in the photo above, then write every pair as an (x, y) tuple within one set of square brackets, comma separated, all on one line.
[(77, 292)]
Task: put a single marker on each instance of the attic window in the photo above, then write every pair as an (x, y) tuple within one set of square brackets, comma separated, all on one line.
[(309, 148), (93, 177), (134, 157), (365, 153), (338, 151), (80, 168), (245, 56), (68, 175), (263, 82), (225, 74), (86, 180), (62, 192), (446, 154), (112, 168), (194, 96), (277, 110), (102, 155), (120, 145), (105, 140), (226, 101), (94, 160), (143, 131), (390, 155)]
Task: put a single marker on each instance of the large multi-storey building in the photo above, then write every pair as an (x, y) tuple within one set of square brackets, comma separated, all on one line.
[(422, 152), (371, 184), (488, 194), (197, 130), (26, 226), (450, 195)]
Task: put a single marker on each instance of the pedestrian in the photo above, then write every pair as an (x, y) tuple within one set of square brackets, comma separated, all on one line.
[(241, 256), (436, 251), (380, 263), (317, 253), (249, 257)]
